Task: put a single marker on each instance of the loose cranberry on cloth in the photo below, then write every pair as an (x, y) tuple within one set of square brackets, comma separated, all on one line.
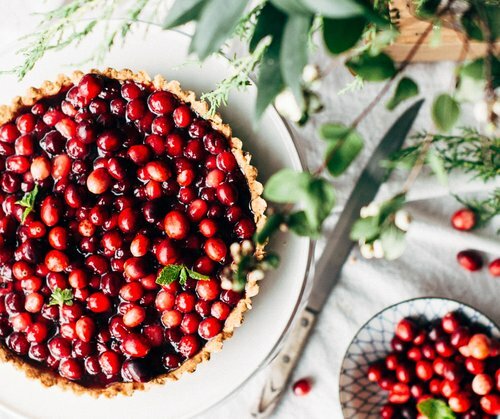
[(111, 178)]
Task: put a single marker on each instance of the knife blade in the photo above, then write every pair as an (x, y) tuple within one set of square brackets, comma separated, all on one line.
[(330, 264)]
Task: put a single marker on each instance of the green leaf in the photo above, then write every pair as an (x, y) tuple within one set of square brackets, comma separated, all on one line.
[(334, 131), (270, 81), (270, 22), (436, 409), (320, 201), (169, 274), (427, 8), (445, 112), (436, 163), (287, 186), (405, 89), (271, 260), (291, 6), (61, 297), (197, 275), (472, 21), (372, 68), (272, 224), (183, 11), (217, 22), (391, 206), (336, 8), (393, 242), (183, 276), (298, 223), (342, 34), (474, 69), (240, 275), (344, 145), (365, 228), (294, 53), (28, 202)]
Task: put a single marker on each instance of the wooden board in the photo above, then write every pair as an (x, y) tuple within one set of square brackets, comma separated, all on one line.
[(450, 47)]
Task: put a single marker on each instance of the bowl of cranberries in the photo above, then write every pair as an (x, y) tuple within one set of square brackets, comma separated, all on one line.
[(423, 358)]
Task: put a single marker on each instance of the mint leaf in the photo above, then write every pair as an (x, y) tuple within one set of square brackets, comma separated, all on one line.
[(61, 297), (183, 11), (344, 145), (342, 34), (28, 202), (405, 89), (445, 112), (172, 273), (435, 409), (197, 275), (372, 68), (169, 274), (183, 276)]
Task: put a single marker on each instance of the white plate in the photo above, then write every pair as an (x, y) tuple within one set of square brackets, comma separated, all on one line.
[(162, 52)]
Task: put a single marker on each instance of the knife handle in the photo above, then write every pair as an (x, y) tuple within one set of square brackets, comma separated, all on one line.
[(282, 367)]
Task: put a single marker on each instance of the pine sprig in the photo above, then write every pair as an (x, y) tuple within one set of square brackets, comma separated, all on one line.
[(238, 80), (485, 209)]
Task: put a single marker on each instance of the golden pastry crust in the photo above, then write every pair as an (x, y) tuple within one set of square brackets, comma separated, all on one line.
[(258, 205)]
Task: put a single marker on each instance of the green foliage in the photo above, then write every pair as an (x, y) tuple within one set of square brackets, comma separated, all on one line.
[(172, 273), (436, 409), (372, 68), (217, 22), (393, 242), (445, 112), (272, 224), (294, 53), (61, 297), (341, 34), (344, 145), (28, 202), (183, 11), (485, 209), (405, 89), (315, 195)]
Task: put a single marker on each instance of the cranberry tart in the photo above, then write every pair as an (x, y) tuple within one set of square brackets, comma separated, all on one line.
[(108, 181)]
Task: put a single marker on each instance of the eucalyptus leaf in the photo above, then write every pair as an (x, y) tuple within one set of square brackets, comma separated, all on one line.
[(336, 8), (435, 409), (287, 186), (341, 150), (294, 53), (272, 224), (405, 89), (372, 68), (445, 112), (183, 11), (270, 81), (390, 206), (436, 163), (342, 34), (292, 6), (393, 242), (365, 228), (217, 22), (474, 69), (299, 224), (270, 22)]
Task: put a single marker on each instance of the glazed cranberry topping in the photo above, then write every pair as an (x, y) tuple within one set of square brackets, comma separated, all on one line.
[(450, 359), (129, 180)]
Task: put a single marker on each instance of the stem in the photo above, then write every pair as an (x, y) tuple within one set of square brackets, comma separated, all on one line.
[(419, 164)]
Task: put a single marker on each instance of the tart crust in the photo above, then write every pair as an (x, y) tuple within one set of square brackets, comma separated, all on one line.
[(258, 206)]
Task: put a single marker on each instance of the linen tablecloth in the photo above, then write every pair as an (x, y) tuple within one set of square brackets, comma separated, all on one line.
[(427, 268)]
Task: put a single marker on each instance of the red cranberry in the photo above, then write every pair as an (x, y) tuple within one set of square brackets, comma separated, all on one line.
[(85, 329), (136, 346), (464, 219), (424, 370), (220, 310), (56, 261), (89, 87), (161, 102), (110, 363), (245, 228), (226, 161), (98, 303), (479, 346), (182, 116), (135, 110), (400, 393), (459, 402), (494, 267), (99, 181), (60, 348), (215, 249), (109, 141), (188, 346), (302, 387), (8, 133), (134, 316), (209, 328), (482, 384), (176, 225), (406, 330), (375, 372), (491, 404)]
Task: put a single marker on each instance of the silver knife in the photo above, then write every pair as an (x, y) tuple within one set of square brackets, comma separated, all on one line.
[(330, 264)]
